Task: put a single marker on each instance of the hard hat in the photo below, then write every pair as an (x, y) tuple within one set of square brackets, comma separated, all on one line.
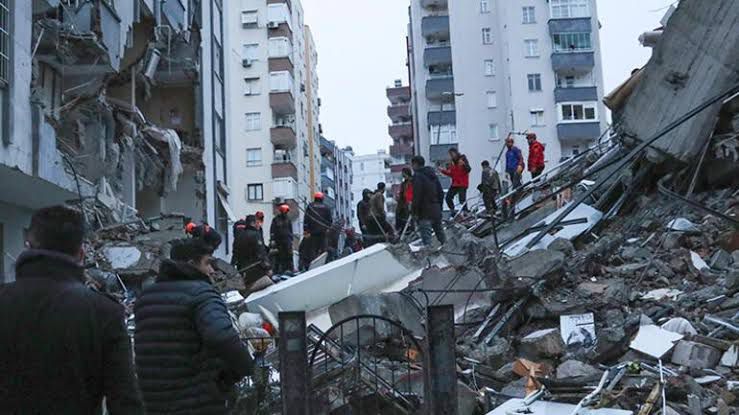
[(190, 227), (284, 208), (259, 215), (318, 196)]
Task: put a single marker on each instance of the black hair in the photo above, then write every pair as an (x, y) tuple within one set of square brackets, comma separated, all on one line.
[(250, 220), (485, 163), (57, 228), (190, 249), (206, 233), (381, 186), (407, 171), (453, 150), (418, 161)]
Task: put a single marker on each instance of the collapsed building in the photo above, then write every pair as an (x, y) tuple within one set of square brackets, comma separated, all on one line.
[(117, 106)]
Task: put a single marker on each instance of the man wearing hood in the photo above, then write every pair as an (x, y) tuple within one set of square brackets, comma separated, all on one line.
[(63, 347), (363, 214), (188, 354), (250, 256), (428, 196)]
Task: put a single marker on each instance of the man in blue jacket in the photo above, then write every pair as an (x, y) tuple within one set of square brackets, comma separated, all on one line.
[(514, 164)]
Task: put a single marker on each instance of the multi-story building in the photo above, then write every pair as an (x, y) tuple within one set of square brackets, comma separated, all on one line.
[(273, 107), (401, 131), (336, 179), (483, 68), (120, 103), (369, 170)]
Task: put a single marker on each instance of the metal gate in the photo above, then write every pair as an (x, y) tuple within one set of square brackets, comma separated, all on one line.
[(365, 364)]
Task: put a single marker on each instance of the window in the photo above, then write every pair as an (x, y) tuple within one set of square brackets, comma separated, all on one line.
[(529, 15), (250, 18), (487, 36), (489, 67), (220, 137), (563, 9), (564, 42), (578, 112), (254, 192), (279, 47), (575, 81), (253, 157), (536, 117), (253, 121), (484, 6), (252, 86), (534, 82), (280, 81), (443, 134), (492, 99), (531, 46), (250, 52), (493, 135)]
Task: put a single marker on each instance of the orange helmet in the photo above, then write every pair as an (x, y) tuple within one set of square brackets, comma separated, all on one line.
[(284, 208), (259, 215), (318, 196), (190, 227)]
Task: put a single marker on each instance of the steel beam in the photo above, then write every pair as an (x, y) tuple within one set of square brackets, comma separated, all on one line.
[(441, 367)]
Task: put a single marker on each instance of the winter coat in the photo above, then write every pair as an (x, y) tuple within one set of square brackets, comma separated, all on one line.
[(536, 157), (318, 218), (63, 347), (490, 180), (513, 159), (249, 250), (405, 197), (363, 213), (428, 195), (459, 171), (188, 354), (377, 204), (281, 230), (333, 236)]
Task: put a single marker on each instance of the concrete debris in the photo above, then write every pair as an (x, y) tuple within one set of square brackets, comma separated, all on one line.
[(682, 225), (577, 369), (680, 325), (695, 355), (654, 341), (698, 262), (545, 343)]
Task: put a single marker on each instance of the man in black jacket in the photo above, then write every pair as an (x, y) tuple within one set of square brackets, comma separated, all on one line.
[(63, 347), (428, 196), (188, 354), (317, 222), (250, 256), (281, 237), (363, 215)]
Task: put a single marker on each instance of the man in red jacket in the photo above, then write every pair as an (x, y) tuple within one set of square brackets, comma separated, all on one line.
[(536, 155), (459, 170)]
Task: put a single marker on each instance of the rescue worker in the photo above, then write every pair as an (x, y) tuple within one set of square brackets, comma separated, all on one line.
[(352, 242), (489, 187), (428, 197), (363, 215), (188, 354), (281, 237), (405, 198), (333, 239), (250, 256), (317, 222), (305, 252), (378, 217), (63, 347), (204, 232), (458, 169), (260, 225), (514, 164), (536, 156)]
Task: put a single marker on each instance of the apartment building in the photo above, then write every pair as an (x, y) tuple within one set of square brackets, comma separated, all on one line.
[(337, 178), (401, 131), (117, 103), (273, 108), (483, 68), (369, 170)]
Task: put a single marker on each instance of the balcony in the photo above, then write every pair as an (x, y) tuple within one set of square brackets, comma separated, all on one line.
[(400, 151), (435, 28), (284, 136), (279, 29), (280, 64), (578, 131), (439, 57), (435, 4), (282, 169), (586, 93), (399, 95), (282, 102), (442, 118), (400, 130), (573, 62), (399, 113), (571, 25), (440, 88), (440, 152)]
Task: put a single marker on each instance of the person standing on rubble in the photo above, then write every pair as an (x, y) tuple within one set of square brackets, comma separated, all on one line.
[(536, 155), (260, 225), (250, 256), (317, 222), (405, 198), (378, 217), (333, 238), (489, 187), (281, 237), (188, 354), (363, 215), (428, 197), (63, 347), (514, 164), (459, 170), (206, 233)]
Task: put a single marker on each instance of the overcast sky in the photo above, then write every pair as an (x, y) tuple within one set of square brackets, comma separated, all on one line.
[(361, 51)]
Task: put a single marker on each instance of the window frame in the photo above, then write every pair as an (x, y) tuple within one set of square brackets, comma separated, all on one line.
[(254, 162), (531, 48), (487, 36), (585, 107), (443, 134), (563, 9), (245, 51), (249, 122), (485, 6), (583, 42), (534, 82), (258, 192), (491, 104), (489, 67), (493, 127), (252, 85), (247, 23), (529, 14), (536, 117)]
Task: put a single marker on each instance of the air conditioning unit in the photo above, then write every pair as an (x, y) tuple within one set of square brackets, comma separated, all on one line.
[(273, 25), (246, 63)]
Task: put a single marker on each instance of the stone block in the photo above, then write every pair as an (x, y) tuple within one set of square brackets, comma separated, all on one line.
[(537, 264), (576, 369), (543, 343), (695, 355)]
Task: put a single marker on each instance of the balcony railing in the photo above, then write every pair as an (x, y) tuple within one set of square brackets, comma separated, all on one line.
[(435, 4), (585, 93), (578, 131), (282, 102), (573, 61), (284, 136), (401, 150), (284, 169), (400, 130), (435, 28), (399, 94), (399, 112), (441, 88), (437, 56)]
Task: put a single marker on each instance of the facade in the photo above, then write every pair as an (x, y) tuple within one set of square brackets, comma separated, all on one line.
[(369, 170), (273, 109), (401, 131), (336, 179), (117, 104), (481, 69)]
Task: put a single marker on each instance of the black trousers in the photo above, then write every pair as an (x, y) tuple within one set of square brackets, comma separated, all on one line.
[(454, 191), (488, 198), (284, 259)]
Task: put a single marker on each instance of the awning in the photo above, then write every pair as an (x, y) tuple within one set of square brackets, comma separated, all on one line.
[(227, 207)]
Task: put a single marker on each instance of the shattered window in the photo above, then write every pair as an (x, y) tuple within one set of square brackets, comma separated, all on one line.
[(4, 42)]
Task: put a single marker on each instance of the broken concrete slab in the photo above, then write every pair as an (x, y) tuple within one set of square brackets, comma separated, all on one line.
[(720, 260), (537, 264), (543, 343), (695, 355), (562, 245), (576, 369), (680, 325), (518, 406), (393, 306), (122, 257)]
